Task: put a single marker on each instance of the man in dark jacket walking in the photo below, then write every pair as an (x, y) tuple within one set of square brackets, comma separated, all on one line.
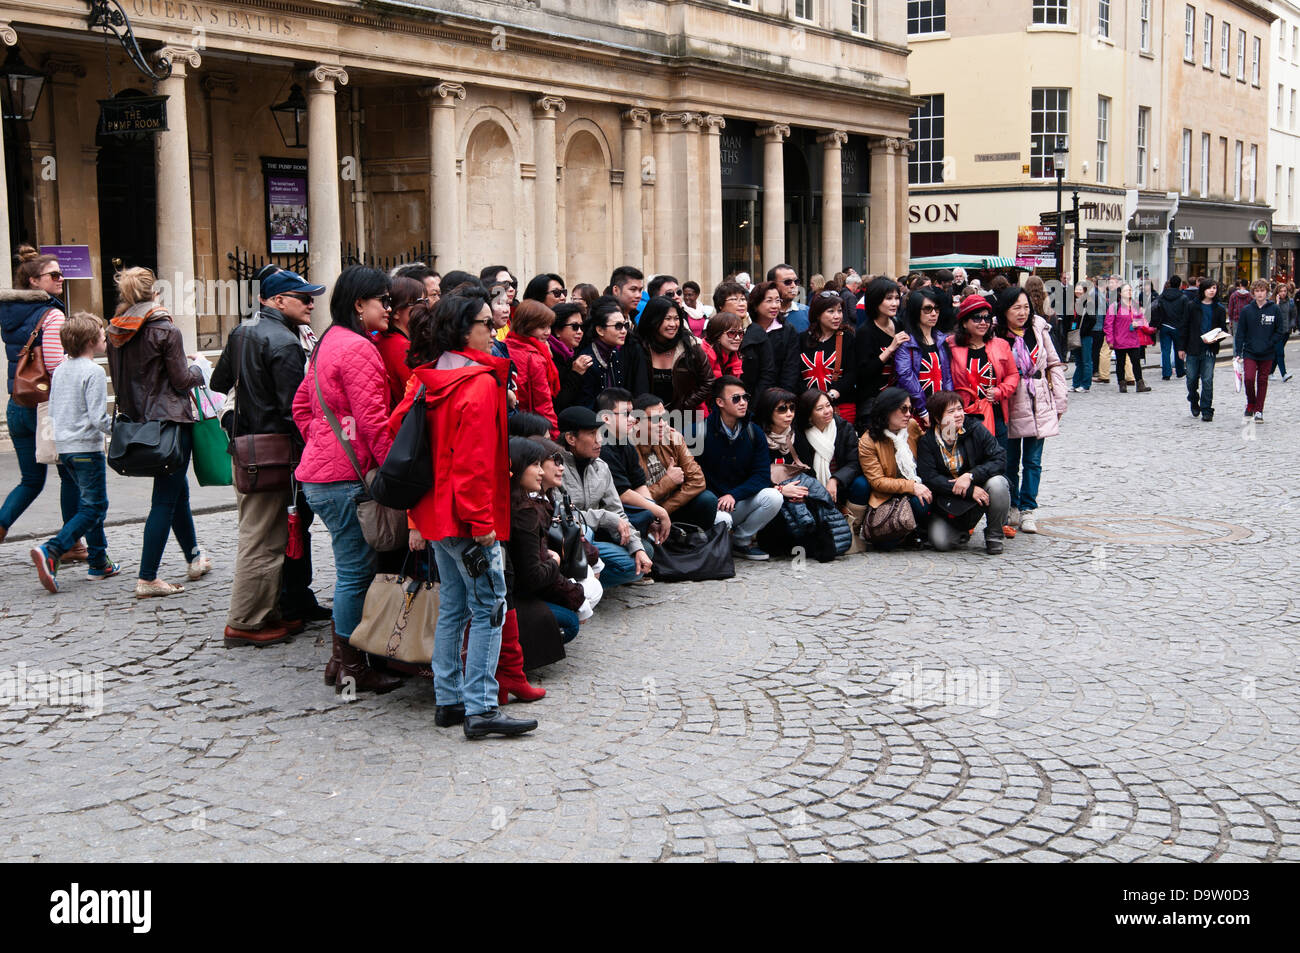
[(737, 467), (962, 464), (263, 362), (1167, 316), (1259, 331), (1199, 319)]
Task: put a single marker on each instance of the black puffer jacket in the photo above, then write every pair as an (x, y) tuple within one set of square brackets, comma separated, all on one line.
[(265, 356)]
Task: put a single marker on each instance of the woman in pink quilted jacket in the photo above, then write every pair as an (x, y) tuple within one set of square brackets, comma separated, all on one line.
[(347, 372), (1123, 319), (1035, 409)]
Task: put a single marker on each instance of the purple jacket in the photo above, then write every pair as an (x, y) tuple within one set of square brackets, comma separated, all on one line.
[(907, 364)]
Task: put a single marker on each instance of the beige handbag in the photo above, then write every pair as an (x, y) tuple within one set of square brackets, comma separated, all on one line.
[(45, 450), (399, 617)]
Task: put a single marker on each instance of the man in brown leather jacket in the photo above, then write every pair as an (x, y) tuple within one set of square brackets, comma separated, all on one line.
[(673, 477)]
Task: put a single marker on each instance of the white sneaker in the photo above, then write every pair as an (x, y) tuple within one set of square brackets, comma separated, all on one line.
[(1013, 518), (1287, 377), (1259, 416), (1027, 524)]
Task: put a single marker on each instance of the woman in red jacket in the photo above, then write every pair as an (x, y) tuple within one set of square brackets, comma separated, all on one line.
[(394, 341), (983, 371), (466, 514), (347, 374), (537, 379)]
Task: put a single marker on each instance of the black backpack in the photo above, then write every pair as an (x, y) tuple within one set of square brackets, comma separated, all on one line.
[(407, 473)]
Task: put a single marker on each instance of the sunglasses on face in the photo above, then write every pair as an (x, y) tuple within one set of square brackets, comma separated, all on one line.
[(735, 333), (789, 281), (558, 459), (906, 408), (386, 301), (486, 322), (300, 296), (979, 318), (573, 326), (618, 326), (56, 275), (739, 398), (557, 292), (784, 408), (929, 309)]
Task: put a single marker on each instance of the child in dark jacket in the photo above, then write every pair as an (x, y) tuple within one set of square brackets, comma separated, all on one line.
[(1259, 331)]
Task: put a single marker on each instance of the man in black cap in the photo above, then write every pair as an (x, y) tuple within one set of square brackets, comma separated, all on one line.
[(263, 361)]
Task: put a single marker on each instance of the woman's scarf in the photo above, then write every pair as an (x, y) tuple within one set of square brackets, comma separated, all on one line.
[(538, 345), (611, 367), (561, 350), (823, 444), (123, 326), (1024, 364), (783, 446), (903, 454)]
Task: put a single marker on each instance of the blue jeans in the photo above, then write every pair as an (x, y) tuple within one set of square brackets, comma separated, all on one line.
[(1083, 363), (620, 565), (1200, 370), (482, 603), (859, 491), (22, 431), (752, 514), (701, 511), (88, 474), (568, 620), (1169, 359), (1026, 451), (1279, 358), (354, 560), (169, 511)]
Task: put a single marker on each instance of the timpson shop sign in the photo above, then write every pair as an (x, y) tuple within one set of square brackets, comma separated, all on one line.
[(205, 15)]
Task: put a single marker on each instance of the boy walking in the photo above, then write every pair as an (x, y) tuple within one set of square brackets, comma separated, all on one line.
[(79, 414), (1259, 331)]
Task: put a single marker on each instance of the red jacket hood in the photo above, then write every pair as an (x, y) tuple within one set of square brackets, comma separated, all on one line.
[(439, 383)]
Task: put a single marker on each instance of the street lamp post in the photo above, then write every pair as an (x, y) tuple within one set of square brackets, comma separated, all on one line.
[(1060, 158)]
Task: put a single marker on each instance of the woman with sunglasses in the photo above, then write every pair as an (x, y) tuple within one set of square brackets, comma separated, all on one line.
[(395, 340), (922, 365), (826, 354), (613, 363), (722, 336), (680, 373), (887, 453), (546, 289), (34, 301), (564, 340), (767, 332), (984, 373), (346, 374), (537, 379)]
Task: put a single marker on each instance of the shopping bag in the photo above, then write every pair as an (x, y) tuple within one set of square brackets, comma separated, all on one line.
[(211, 445), (1238, 375), (45, 450)]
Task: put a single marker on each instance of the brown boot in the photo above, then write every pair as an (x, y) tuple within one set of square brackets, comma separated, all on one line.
[(353, 665), (336, 659), (1143, 388)]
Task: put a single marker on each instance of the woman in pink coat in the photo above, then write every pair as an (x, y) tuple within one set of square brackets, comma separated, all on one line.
[(1123, 320), (1035, 408)]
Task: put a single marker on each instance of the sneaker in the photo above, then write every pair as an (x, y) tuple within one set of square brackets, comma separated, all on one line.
[(199, 568), (155, 587), (1259, 416), (104, 572), (1013, 517), (1286, 378), (1009, 532), (47, 568), (1196, 410), (751, 552), (1027, 524), (1207, 416)]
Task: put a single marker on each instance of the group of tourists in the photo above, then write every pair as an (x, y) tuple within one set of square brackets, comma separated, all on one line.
[(573, 435)]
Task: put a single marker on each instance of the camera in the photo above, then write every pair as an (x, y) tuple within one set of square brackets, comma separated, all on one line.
[(475, 561)]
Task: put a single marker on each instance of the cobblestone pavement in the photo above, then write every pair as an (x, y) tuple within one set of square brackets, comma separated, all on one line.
[(1121, 687)]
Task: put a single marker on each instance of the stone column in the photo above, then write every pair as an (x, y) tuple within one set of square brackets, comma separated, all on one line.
[(885, 253), (545, 241), (444, 203), (8, 37), (711, 273), (773, 137), (832, 201), (175, 206), (221, 88), (65, 73), (683, 260), (663, 170), (633, 252), (324, 228)]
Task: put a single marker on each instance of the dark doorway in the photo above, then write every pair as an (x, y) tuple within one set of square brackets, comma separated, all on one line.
[(18, 181), (128, 224), (802, 212)]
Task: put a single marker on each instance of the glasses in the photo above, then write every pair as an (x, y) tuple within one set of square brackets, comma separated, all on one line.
[(789, 281), (734, 333), (424, 300), (929, 309), (557, 458), (736, 299), (56, 275), (618, 326), (300, 296), (905, 408), (572, 326), (386, 301), (486, 322), (784, 408), (740, 398), (979, 318), (557, 292)]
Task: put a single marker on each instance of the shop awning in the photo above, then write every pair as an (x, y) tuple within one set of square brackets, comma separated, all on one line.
[(960, 261)]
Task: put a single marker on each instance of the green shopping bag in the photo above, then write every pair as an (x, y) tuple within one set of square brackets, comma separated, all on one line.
[(211, 445)]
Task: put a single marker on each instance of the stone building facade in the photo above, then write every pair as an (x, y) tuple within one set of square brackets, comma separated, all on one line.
[(570, 138)]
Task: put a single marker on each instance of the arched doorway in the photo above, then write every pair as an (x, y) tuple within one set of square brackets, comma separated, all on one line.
[(586, 211), (491, 222), (128, 209)]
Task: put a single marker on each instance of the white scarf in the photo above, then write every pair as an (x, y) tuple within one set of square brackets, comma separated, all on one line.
[(903, 454), (823, 444)]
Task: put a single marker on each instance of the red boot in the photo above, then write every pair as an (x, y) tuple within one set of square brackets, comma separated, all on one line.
[(510, 666)]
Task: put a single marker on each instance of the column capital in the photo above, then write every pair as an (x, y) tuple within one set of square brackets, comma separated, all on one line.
[(894, 145), (679, 121), (777, 131), (713, 124), (326, 75), (56, 63), (833, 139), (443, 94), (8, 35), (635, 117), (547, 106), (219, 85), (177, 58)]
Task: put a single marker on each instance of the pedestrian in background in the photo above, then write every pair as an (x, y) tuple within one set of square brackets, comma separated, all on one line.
[(1286, 310), (1259, 332)]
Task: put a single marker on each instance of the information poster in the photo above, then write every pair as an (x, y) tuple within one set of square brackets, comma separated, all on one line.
[(286, 205)]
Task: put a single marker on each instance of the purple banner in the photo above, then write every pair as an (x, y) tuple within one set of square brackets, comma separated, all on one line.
[(74, 260), (286, 205)]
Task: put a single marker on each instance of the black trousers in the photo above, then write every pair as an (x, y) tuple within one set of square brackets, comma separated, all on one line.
[(1134, 355)]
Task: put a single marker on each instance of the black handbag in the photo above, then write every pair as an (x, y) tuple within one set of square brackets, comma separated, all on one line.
[(565, 536), (406, 475), (148, 449), (693, 554)]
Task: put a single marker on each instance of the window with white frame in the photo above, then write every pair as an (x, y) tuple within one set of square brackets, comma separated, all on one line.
[(1281, 51), (1241, 55), (1236, 171), (1291, 120), (1189, 34), (1103, 18), (1280, 97), (803, 9), (1295, 43), (1049, 120), (1255, 44), (1144, 25), (1252, 171), (1051, 12), (858, 16), (925, 165), (926, 16), (1290, 193), (1144, 130), (1277, 186), (1103, 136), (1207, 42), (1185, 155), (1205, 164), (1225, 41)]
